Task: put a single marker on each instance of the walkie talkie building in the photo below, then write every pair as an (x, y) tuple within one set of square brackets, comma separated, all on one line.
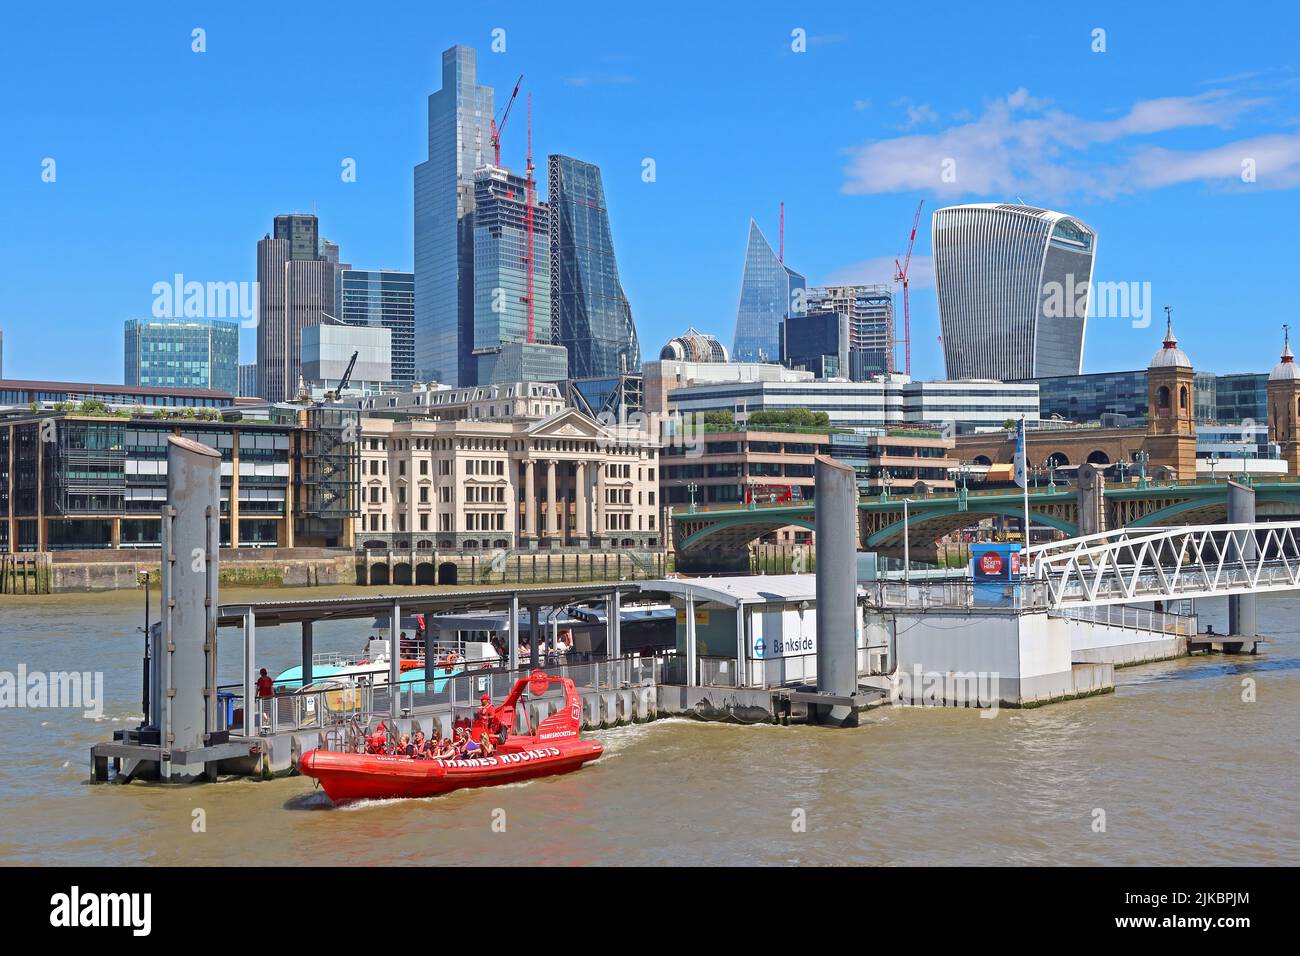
[(1013, 286)]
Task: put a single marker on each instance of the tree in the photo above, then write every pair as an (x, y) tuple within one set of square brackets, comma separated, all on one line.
[(791, 417), (721, 417)]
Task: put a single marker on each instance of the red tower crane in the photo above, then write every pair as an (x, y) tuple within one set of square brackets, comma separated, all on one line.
[(530, 198), (496, 127), (901, 275)]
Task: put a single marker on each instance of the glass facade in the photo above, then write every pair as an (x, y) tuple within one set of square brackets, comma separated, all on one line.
[(1087, 398), (590, 315), (297, 275), (501, 257), (1242, 397), (459, 114), (181, 353), (385, 299), (1012, 288), (817, 342), (769, 293)]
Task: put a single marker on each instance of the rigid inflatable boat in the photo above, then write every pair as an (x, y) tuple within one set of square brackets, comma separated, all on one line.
[(553, 748)]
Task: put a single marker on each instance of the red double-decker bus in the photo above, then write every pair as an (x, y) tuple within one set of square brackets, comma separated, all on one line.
[(772, 494)]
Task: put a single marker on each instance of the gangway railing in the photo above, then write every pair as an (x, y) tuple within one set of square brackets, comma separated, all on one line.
[(337, 700), (1130, 565)]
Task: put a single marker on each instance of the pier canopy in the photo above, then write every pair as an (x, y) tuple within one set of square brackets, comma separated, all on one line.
[(270, 613)]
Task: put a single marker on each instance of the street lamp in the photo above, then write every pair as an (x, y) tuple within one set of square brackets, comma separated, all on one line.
[(886, 479), (1050, 466), (692, 488), (1214, 465), (1142, 458)]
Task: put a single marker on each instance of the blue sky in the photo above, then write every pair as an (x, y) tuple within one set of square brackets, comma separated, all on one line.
[(172, 161)]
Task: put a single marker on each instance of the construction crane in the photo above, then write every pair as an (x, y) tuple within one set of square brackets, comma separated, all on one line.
[(347, 374), (505, 115), (530, 199), (901, 275)]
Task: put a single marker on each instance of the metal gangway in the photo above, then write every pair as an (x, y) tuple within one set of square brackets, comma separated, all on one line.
[(1155, 564)]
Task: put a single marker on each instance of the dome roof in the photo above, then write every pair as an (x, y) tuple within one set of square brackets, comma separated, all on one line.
[(1286, 370), (1170, 356)]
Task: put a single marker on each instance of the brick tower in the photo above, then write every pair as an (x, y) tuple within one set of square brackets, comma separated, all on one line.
[(1284, 405), (1171, 421)]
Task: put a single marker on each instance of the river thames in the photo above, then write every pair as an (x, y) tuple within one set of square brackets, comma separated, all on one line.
[(1181, 769)]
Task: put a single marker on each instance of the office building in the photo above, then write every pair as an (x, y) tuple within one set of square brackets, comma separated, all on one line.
[(662, 377), (955, 407), (24, 392), (507, 308), (523, 362), (817, 342), (590, 315), (297, 289), (499, 479), (102, 483), (248, 380), (328, 348), (383, 298), (770, 291), (1012, 284), (458, 144), (870, 310), (181, 353)]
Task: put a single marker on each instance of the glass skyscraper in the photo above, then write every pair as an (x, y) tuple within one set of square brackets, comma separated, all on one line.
[(590, 315), (384, 298), (501, 256), (459, 114), (181, 353), (1012, 286), (770, 291)]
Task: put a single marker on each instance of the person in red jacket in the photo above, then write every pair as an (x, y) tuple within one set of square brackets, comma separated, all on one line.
[(265, 686)]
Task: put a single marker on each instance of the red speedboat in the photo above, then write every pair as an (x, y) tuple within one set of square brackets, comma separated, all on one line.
[(553, 748)]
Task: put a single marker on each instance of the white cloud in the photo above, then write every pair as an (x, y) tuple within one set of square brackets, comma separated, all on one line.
[(1019, 145)]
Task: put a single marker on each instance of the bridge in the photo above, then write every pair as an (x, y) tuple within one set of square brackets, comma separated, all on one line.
[(1128, 565), (1141, 503)]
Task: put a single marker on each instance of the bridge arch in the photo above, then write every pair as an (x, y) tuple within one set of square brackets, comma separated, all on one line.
[(1099, 457), (751, 528), (895, 530)]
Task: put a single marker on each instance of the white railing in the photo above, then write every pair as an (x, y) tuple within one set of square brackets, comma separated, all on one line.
[(1125, 566), (1133, 618)]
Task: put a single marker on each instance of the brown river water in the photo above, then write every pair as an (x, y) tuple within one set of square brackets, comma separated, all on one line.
[(1185, 771)]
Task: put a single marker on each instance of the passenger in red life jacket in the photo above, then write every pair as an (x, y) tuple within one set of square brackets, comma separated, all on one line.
[(377, 743), (419, 748), (265, 686)]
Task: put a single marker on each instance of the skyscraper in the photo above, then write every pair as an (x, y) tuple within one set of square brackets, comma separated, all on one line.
[(769, 292), (384, 298), (1012, 285), (459, 114), (501, 258), (181, 353), (297, 284), (590, 315), (870, 310)]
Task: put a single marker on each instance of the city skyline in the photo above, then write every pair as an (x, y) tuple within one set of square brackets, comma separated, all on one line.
[(1171, 129)]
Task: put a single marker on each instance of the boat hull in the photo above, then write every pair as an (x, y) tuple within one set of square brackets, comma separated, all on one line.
[(346, 776)]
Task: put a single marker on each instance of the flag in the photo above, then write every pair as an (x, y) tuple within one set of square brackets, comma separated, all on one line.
[(1022, 478)]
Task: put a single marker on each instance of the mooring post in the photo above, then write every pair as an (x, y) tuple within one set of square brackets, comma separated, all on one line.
[(1241, 510), (512, 651), (394, 661), (307, 653), (837, 587)]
